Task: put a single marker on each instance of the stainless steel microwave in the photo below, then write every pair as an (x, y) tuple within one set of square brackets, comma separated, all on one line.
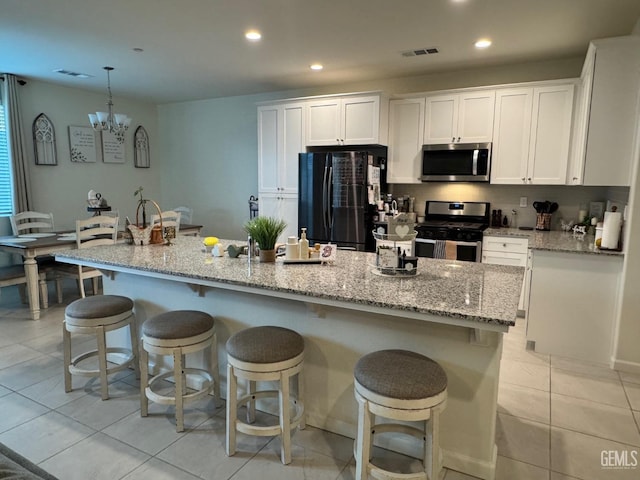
[(456, 162)]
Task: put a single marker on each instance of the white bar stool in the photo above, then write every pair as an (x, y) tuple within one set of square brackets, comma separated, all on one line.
[(178, 333), (97, 315), (405, 386), (265, 354)]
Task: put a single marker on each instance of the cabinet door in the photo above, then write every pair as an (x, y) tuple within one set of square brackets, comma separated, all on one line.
[(292, 144), (360, 120), (406, 127), (441, 119), (475, 118), (550, 135), (280, 206), (323, 126), (511, 133), (268, 149)]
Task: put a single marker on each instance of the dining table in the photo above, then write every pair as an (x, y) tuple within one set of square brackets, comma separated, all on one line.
[(33, 245)]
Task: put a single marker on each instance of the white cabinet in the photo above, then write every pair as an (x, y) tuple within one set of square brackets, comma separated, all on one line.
[(573, 304), (607, 120), (406, 129), (281, 130), (462, 117), (349, 120), (509, 250), (532, 133)]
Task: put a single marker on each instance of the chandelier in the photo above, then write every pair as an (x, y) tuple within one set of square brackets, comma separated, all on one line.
[(112, 122)]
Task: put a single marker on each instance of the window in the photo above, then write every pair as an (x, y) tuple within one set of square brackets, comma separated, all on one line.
[(6, 193)]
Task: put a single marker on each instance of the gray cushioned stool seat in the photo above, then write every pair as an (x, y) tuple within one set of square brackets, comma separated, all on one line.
[(400, 374), (97, 306), (265, 344), (177, 324)]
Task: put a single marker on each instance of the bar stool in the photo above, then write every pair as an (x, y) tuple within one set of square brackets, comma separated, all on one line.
[(178, 333), (265, 354), (97, 315), (405, 386)]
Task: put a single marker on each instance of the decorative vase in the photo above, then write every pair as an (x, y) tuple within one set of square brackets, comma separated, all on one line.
[(267, 255)]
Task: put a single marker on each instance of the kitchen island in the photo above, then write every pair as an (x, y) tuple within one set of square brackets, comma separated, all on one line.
[(454, 312)]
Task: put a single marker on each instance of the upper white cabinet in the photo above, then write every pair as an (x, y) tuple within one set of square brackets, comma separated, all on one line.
[(462, 117), (348, 120), (406, 129), (532, 133), (280, 140), (607, 116)]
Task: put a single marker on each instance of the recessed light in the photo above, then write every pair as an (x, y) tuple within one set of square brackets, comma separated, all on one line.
[(316, 66), (253, 35), (483, 43)]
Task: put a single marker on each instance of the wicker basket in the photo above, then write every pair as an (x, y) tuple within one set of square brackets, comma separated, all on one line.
[(151, 235)]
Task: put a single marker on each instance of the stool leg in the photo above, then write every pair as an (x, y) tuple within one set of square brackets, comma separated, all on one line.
[(94, 285), (135, 346), (144, 380), (102, 361), (285, 419), (214, 368), (232, 410), (363, 440), (66, 347), (178, 369), (432, 453), (303, 420), (251, 404)]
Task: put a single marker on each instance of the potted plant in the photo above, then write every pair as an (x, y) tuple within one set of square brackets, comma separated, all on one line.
[(265, 232)]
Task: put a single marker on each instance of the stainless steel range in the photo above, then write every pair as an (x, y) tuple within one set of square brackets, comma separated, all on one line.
[(452, 230)]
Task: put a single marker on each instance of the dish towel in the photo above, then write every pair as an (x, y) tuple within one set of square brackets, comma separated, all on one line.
[(451, 250), (439, 249)]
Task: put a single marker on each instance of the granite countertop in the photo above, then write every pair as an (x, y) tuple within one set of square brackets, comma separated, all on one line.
[(553, 240), (474, 292)]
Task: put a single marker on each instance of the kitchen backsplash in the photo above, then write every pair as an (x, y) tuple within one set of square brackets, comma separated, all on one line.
[(507, 198)]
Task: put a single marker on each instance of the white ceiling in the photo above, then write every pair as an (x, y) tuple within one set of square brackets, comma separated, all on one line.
[(195, 49)]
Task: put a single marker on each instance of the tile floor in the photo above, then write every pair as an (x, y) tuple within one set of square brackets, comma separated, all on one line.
[(555, 417)]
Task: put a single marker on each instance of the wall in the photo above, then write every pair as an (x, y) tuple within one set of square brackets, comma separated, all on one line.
[(209, 147), (62, 189)]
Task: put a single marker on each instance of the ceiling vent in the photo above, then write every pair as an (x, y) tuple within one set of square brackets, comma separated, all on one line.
[(419, 51), (69, 73)]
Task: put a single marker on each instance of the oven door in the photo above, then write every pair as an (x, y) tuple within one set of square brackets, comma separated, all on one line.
[(465, 251)]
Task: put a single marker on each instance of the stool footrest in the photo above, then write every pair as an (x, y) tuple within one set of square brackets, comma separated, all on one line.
[(171, 400), (382, 474), (397, 428), (75, 370), (268, 431)]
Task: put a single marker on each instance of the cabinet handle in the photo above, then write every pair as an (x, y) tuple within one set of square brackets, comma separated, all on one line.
[(458, 138), (453, 139), (575, 178), (529, 179), (504, 245), (523, 179)]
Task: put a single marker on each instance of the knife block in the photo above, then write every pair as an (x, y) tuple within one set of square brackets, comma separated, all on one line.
[(543, 221)]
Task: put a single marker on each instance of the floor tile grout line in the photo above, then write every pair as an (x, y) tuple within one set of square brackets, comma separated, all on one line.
[(595, 436), (592, 401)]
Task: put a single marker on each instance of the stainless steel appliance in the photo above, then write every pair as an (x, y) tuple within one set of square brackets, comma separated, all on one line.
[(456, 162), (337, 192), (460, 224)]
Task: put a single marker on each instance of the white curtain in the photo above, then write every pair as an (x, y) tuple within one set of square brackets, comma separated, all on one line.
[(17, 144)]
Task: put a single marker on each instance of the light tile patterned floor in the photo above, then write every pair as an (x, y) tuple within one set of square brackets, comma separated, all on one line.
[(555, 417)]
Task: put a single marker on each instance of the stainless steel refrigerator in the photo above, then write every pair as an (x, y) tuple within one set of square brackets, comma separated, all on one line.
[(337, 193)]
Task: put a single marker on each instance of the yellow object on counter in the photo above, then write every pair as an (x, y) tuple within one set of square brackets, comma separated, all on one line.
[(210, 241)]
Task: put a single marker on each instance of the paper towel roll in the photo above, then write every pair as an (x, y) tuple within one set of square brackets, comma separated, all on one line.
[(611, 230)]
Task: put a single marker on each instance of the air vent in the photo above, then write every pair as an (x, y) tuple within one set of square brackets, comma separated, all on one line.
[(69, 73), (419, 51)]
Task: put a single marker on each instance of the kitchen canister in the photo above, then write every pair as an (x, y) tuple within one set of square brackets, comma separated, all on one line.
[(611, 230), (292, 249)]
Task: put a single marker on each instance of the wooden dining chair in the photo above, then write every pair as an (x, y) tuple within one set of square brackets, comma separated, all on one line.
[(31, 222), (14, 275), (91, 232), (186, 214), (170, 218)]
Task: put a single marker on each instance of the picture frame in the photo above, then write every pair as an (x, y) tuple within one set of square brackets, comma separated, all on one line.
[(82, 144), (44, 141), (113, 147), (141, 153)]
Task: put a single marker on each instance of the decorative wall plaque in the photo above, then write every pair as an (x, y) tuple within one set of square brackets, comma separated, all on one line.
[(142, 156), (112, 147), (44, 141), (82, 144)]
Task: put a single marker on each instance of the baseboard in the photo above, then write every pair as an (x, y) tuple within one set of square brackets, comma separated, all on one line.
[(625, 366)]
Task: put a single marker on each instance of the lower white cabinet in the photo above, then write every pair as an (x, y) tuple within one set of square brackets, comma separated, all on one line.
[(510, 250), (281, 206), (573, 304)]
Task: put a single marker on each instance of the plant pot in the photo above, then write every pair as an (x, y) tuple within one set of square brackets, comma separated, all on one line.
[(267, 255)]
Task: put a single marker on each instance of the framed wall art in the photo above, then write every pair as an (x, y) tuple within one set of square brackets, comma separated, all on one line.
[(142, 157), (112, 147), (44, 141), (82, 144)]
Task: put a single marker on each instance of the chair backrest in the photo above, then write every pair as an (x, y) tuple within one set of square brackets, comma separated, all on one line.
[(94, 231), (31, 222), (170, 218), (186, 214)]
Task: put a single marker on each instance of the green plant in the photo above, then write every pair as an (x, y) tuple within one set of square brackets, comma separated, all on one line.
[(143, 202), (265, 231)]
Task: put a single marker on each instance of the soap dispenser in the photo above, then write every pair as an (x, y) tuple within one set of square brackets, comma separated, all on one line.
[(304, 245)]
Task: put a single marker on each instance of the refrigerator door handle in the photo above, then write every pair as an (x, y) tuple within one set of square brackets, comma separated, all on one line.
[(325, 197), (330, 194)]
